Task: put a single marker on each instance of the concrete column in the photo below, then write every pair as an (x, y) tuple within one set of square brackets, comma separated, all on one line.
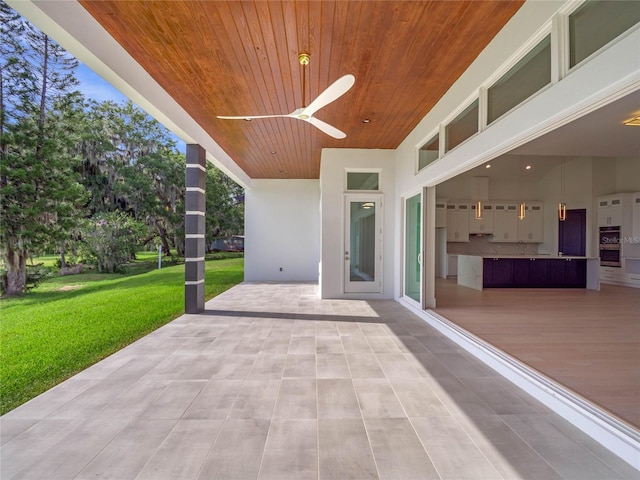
[(194, 248)]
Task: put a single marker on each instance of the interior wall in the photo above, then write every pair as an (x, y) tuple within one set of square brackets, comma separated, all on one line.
[(576, 193), (628, 174), (333, 167), (282, 231)]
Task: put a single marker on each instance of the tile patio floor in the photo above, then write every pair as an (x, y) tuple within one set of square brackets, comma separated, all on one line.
[(273, 383)]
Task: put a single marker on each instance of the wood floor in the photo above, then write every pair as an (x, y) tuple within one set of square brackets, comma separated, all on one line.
[(586, 340)]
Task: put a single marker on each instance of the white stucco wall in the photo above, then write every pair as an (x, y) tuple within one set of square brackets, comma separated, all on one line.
[(282, 231), (333, 167)]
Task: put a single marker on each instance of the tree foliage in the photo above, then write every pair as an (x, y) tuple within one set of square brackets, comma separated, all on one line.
[(110, 240), (224, 206), (130, 163), (69, 164), (40, 191)]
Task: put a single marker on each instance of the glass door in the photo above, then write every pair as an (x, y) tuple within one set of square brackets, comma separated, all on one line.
[(413, 248), (363, 243)]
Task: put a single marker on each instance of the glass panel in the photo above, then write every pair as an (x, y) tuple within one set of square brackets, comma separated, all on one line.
[(428, 152), (524, 79), (362, 181), (465, 125), (362, 251), (598, 22), (412, 248)]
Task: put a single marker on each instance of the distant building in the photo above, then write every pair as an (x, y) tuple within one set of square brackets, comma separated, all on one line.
[(234, 243)]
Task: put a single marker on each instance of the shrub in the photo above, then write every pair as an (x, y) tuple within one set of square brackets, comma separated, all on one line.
[(36, 274)]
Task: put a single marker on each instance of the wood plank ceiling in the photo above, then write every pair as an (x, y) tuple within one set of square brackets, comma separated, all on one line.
[(241, 58)]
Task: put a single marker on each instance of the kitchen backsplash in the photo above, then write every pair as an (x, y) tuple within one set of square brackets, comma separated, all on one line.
[(480, 245)]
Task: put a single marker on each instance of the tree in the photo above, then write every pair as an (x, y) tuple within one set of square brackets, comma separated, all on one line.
[(41, 196), (224, 206), (110, 240), (130, 163)]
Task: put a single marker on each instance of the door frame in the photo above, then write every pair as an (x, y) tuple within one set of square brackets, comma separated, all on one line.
[(375, 286), (419, 303)]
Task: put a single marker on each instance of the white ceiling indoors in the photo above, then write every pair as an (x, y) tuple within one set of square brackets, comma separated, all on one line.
[(600, 133)]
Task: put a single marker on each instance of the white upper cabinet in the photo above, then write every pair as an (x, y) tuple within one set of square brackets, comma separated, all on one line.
[(610, 211), (505, 222), (635, 202), (531, 227), (457, 222), (483, 225)]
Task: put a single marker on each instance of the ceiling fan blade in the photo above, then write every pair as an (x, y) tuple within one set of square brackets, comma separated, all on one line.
[(250, 117), (331, 93), (326, 128)]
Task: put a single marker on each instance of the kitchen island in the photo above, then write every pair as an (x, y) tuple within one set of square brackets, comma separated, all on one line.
[(528, 271)]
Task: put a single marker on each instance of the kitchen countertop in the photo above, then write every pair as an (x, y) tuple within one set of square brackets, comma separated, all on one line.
[(525, 256), (470, 268)]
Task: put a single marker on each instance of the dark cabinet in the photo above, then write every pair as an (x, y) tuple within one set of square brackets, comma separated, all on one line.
[(575, 273), (568, 273), (498, 273), (534, 273), (539, 272), (531, 272)]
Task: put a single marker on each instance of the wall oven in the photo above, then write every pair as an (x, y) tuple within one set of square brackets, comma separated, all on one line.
[(610, 246)]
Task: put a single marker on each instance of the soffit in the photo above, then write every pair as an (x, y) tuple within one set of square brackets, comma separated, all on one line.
[(240, 58)]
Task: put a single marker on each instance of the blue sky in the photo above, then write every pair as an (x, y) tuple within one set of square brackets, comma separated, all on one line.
[(93, 86)]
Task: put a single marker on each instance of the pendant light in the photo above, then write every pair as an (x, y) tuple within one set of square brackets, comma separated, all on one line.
[(479, 193), (562, 206)]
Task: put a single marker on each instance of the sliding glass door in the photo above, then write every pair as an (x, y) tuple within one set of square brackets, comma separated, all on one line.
[(413, 248)]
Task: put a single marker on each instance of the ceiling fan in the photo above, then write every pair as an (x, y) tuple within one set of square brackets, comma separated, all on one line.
[(332, 92)]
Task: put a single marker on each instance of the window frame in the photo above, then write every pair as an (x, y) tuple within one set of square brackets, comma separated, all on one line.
[(513, 64), (459, 113), (565, 49), (428, 140), (377, 171)]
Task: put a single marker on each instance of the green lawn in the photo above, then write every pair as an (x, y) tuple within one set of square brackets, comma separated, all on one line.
[(68, 323), (45, 260)]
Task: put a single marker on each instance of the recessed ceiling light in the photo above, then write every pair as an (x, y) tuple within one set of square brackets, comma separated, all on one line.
[(488, 165), (366, 120), (528, 167), (273, 152), (634, 122)]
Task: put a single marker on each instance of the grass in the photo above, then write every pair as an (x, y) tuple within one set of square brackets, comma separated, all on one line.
[(45, 260), (68, 323)]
